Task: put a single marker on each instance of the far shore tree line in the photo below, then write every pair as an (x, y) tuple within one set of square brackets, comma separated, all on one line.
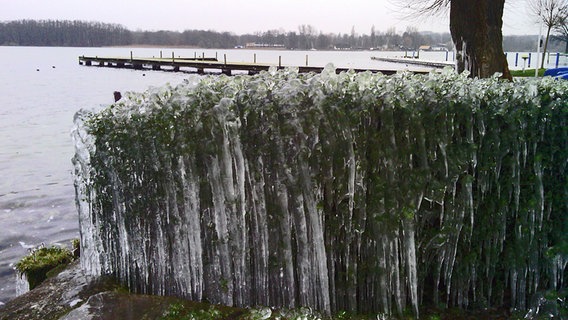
[(97, 34)]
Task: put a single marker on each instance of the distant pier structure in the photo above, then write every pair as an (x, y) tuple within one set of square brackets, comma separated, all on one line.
[(202, 65), (418, 62)]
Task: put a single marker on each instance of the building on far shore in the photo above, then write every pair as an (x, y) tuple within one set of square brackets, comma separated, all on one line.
[(254, 45), (437, 47)]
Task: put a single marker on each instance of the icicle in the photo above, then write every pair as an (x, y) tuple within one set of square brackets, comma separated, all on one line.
[(220, 219), (410, 255), (191, 208), (540, 192)]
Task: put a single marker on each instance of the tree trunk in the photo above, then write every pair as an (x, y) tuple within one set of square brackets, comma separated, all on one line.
[(545, 46), (476, 31)]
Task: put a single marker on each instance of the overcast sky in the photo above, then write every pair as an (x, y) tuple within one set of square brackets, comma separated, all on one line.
[(249, 16)]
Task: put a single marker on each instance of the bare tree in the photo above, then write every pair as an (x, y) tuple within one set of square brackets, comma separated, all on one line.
[(308, 34), (562, 30), (476, 28), (552, 13)]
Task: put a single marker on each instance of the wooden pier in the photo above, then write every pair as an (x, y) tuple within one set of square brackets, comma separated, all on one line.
[(413, 61), (203, 65)]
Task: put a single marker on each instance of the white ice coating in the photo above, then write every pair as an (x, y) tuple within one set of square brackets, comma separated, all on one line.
[(334, 191), (22, 284)]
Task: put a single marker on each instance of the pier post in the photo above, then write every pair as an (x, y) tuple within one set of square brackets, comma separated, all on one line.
[(516, 59), (279, 61), (225, 59), (447, 53), (529, 59), (131, 56), (557, 59), (194, 55), (160, 54), (306, 60), (173, 57), (254, 59)]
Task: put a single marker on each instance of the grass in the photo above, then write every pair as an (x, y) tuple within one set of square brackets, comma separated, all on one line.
[(527, 73), (187, 310)]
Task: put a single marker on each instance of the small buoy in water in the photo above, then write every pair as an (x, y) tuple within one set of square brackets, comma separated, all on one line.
[(143, 74), (53, 67), (37, 69)]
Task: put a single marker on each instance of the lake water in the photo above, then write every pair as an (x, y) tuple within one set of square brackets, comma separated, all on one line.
[(40, 91)]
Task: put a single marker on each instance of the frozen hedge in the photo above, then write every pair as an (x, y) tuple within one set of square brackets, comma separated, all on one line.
[(343, 191)]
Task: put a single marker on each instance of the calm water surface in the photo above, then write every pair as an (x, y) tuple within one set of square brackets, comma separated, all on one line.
[(40, 91)]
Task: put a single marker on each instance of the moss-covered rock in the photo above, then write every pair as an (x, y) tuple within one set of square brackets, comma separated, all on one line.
[(36, 266)]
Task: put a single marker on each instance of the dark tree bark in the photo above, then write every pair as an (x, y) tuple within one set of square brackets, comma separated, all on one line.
[(475, 26), (543, 58)]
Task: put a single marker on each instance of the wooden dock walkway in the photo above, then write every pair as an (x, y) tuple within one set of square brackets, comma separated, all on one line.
[(203, 65), (426, 63)]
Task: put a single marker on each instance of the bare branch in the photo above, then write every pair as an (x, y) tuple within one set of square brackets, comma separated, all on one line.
[(415, 8), (551, 13)]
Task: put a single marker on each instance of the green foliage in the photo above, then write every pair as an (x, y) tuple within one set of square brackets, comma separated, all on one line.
[(174, 312), (436, 185), (40, 262), (75, 244), (180, 312), (203, 311), (527, 73)]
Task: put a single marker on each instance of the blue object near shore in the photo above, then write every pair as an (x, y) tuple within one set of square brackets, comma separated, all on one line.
[(561, 73)]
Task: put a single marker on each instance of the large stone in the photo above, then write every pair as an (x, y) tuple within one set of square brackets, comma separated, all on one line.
[(71, 295), (56, 296)]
